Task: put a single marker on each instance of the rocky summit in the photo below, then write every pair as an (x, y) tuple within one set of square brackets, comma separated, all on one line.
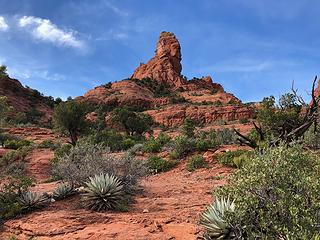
[(165, 67), (159, 88), (26, 101)]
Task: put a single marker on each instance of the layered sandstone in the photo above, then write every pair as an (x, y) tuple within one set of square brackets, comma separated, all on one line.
[(207, 114)]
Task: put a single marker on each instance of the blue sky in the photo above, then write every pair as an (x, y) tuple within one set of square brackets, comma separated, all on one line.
[(253, 48)]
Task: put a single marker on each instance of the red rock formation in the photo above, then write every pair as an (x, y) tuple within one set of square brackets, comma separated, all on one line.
[(126, 92), (165, 67), (22, 99), (206, 114)]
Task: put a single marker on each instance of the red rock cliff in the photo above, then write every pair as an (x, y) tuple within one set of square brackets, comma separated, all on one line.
[(165, 67)]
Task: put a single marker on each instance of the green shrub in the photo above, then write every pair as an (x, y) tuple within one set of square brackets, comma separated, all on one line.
[(84, 161), (154, 145), (277, 195), (10, 205), (15, 144), (5, 137), (48, 144), (15, 155), (128, 143), (157, 164), (182, 146), (225, 136), (163, 138), (206, 140), (244, 120), (234, 158), (103, 192), (62, 151), (114, 140), (195, 162), (135, 149), (188, 127), (312, 138)]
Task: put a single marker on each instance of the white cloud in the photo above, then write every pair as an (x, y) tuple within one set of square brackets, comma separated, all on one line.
[(45, 30), (3, 25)]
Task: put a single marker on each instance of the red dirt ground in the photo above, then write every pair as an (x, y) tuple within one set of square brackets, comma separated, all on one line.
[(168, 207)]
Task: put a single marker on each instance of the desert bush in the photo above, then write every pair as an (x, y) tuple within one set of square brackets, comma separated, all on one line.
[(15, 144), (225, 136), (61, 152), (84, 161), (312, 138), (244, 120), (63, 191), (135, 149), (48, 144), (154, 145), (157, 164), (9, 195), (188, 127), (234, 158), (195, 162), (182, 146), (103, 192), (5, 109), (5, 137), (206, 140), (276, 195), (15, 155), (114, 140)]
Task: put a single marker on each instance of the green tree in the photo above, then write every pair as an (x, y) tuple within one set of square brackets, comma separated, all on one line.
[(188, 127), (70, 118), (5, 109), (282, 118), (3, 71), (133, 122)]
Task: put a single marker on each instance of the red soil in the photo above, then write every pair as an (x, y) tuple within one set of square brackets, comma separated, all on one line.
[(168, 208)]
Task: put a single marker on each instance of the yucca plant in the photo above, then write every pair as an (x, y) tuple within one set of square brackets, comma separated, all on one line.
[(214, 221), (103, 192), (63, 191), (31, 200)]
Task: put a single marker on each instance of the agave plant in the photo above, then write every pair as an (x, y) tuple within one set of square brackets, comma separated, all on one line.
[(214, 222), (63, 191), (103, 192), (31, 200)]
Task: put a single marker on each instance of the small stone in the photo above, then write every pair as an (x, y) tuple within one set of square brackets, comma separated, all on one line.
[(145, 211)]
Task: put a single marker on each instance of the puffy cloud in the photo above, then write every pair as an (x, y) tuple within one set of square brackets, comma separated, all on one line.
[(3, 25), (45, 30)]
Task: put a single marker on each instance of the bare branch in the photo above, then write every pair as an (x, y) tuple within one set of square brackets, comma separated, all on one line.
[(245, 140)]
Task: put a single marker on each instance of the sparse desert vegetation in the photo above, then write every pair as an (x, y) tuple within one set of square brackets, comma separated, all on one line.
[(157, 155)]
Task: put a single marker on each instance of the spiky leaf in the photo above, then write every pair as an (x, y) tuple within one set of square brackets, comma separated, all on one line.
[(213, 219), (103, 192)]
